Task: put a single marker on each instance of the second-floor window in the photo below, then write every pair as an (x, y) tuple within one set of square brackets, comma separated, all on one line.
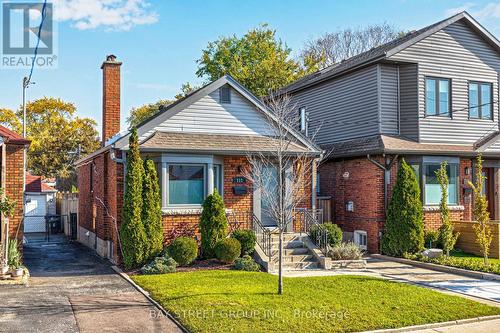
[(480, 100), (437, 97)]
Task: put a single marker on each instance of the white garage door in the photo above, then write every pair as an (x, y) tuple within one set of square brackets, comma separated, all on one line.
[(35, 211)]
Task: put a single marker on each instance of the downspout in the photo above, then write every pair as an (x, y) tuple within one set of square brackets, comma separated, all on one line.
[(3, 220), (387, 166)]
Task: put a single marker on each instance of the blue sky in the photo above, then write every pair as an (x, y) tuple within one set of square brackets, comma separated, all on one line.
[(159, 41)]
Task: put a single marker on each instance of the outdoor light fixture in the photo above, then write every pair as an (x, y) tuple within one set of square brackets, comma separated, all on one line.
[(467, 170), (349, 206)]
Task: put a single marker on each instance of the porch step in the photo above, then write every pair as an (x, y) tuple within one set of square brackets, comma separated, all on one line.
[(297, 250), (295, 258), (300, 265), (287, 244)]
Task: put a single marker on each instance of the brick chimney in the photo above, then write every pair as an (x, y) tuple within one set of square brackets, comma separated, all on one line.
[(110, 97)]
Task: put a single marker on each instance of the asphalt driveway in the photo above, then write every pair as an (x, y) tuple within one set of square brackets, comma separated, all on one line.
[(73, 290)]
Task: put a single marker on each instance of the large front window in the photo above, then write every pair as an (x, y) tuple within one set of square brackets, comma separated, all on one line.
[(432, 189), (186, 184), (186, 180), (437, 97)]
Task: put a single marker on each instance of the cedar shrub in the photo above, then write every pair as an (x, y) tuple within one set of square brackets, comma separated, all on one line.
[(132, 234), (213, 224), (404, 226), (151, 211)]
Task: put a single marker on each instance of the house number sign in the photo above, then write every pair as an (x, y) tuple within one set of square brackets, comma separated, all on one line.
[(239, 180)]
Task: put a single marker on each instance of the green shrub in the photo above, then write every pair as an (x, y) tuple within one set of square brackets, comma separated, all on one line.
[(404, 226), (14, 256), (160, 265), (183, 250), (431, 238), (247, 240), (227, 250), (213, 224), (346, 251), (132, 233), (334, 233), (151, 211), (246, 263), (458, 262)]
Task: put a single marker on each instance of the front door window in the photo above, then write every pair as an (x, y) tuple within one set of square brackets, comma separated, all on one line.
[(269, 196)]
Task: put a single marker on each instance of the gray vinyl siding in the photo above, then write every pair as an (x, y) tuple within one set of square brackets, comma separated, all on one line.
[(389, 113), (457, 53), (208, 115), (408, 78), (343, 108)]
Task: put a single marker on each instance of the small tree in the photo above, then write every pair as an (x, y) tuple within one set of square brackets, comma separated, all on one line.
[(404, 226), (151, 211), (482, 228), (446, 235), (213, 224), (133, 236)]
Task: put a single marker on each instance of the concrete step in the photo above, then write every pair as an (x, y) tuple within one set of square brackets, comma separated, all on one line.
[(297, 250), (287, 237), (288, 245), (289, 266), (295, 258)]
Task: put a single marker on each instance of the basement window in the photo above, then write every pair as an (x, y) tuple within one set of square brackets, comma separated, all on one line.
[(225, 94), (361, 239)]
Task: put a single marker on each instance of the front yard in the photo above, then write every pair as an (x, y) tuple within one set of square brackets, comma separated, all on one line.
[(235, 301), (460, 259)]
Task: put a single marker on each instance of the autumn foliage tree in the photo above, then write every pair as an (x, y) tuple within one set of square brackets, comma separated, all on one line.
[(58, 137)]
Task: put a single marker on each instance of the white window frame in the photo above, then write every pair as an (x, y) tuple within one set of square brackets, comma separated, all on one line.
[(356, 235), (208, 162)]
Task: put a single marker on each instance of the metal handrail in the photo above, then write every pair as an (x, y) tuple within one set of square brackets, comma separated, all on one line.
[(308, 222), (263, 235), (245, 219)]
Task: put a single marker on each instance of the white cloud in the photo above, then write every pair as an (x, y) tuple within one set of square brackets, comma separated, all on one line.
[(491, 10), (110, 14), (465, 7)]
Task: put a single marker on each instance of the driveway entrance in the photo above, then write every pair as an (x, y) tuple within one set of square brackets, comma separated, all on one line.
[(73, 290)]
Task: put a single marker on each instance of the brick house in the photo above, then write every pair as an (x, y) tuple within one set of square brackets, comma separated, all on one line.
[(428, 97), (199, 143), (12, 148)]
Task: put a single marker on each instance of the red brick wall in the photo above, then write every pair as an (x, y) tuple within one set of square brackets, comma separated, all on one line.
[(107, 189), (364, 186), (14, 188), (110, 99)]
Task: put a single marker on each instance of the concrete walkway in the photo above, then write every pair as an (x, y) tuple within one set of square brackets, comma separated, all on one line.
[(72, 290)]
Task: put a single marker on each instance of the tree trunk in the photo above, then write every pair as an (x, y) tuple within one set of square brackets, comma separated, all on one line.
[(280, 264)]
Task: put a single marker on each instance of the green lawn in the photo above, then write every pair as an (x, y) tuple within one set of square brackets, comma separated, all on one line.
[(235, 301), (463, 260)]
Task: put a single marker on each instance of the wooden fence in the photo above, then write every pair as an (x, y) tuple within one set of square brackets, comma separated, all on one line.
[(66, 204), (325, 204), (467, 239)]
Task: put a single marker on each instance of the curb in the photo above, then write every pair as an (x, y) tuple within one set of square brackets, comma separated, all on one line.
[(436, 325), (146, 294), (441, 268)]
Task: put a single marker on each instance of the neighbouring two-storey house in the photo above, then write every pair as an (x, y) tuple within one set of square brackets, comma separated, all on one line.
[(199, 143), (428, 97)]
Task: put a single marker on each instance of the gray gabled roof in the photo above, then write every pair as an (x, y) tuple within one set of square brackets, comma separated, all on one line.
[(386, 50), (146, 127)]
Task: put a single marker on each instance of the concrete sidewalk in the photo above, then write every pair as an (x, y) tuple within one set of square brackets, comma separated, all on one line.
[(488, 326), (72, 290)]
